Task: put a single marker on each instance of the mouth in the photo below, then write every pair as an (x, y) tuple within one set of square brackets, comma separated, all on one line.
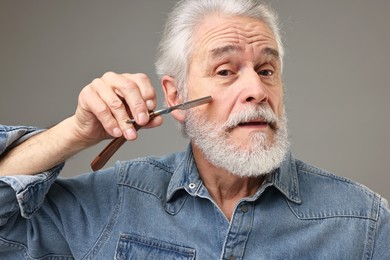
[(259, 123), (253, 118), (254, 123)]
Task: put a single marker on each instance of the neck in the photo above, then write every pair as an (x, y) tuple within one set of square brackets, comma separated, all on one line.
[(225, 188)]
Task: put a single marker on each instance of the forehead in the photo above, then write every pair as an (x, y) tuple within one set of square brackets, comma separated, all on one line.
[(221, 33)]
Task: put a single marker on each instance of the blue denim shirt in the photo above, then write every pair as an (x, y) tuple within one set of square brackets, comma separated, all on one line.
[(158, 208)]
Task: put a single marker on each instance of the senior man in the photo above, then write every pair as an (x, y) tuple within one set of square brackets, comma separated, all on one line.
[(236, 193)]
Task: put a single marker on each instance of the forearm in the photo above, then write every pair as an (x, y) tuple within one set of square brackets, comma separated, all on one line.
[(42, 152), (103, 107)]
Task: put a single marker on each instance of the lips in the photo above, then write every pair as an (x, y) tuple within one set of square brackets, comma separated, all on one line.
[(253, 124), (252, 117), (257, 123)]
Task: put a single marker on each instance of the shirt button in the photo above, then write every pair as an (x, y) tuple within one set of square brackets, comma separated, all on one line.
[(244, 208), (192, 185)]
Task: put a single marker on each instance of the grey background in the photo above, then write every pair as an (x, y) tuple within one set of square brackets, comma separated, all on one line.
[(336, 71)]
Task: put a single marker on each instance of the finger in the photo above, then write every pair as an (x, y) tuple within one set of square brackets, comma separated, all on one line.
[(117, 108), (111, 111), (145, 89), (128, 89), (154, 122), (91, 102)]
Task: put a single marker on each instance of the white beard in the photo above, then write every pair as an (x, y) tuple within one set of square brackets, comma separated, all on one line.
[(265, 154)]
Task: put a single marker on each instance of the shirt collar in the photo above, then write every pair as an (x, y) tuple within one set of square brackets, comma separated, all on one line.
[(186, 178), (285, 179)]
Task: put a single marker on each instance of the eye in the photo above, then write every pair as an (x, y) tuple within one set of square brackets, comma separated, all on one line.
[(224, 73), (266, 73)]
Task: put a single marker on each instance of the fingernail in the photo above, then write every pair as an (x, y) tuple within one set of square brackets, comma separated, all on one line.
[(142, 118), (150, 104), (117, 132), (130, 134)]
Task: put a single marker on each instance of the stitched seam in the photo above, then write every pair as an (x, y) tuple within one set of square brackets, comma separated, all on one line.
[(21, 246), (372, 228), (27, 192), (319, 217), (153, 162), (335, 178), (105, 234)]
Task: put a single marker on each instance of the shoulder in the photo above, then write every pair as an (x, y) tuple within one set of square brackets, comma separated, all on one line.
[(152, 165), (325, 194), (150, 174)]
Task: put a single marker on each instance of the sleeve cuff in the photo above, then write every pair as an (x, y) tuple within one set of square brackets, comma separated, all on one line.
[(32, 189)]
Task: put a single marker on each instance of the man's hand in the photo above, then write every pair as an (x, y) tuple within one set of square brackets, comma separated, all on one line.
[(107, 102), (103, 107)]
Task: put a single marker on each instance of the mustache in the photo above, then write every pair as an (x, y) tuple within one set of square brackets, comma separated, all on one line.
[(261, 112)]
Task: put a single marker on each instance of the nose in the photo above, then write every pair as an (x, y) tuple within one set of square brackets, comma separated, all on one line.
[(253, 89)]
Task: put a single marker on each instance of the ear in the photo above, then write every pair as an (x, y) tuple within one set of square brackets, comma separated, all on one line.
[(172, 97)]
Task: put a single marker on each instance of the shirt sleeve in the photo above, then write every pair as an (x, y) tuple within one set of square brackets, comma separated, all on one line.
[(44, 215), (11, 136), (382, 241), (22, 193)]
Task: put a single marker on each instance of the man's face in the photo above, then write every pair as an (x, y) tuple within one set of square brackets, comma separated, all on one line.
[(244, 129), (236, 60)]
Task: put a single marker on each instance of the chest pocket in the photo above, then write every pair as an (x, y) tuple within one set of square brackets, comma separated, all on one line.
[(136, 247)]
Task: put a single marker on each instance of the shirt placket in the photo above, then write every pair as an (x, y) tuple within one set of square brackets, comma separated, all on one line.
[(239, 231)]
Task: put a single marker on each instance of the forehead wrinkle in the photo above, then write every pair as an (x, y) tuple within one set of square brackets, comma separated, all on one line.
[(220, 37), (228, 34), (236, 34), (258, 38)]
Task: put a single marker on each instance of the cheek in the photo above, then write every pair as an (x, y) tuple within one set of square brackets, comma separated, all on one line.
[(281, 105), (281, 108), (197, 90), (223, 105), (213, 113), (276, 102), (220, 107)]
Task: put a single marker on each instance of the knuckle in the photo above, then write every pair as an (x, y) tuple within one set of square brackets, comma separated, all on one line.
[(147, 89), (144, 79), (138, 106), (101, 111), (142, 76), (95, 83), (148, 93), (87, 90), (127, 75), (131, 86), (109, 74), (116, 104)]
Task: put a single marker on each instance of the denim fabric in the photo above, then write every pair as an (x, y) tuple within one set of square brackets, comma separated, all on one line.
[(158, 208)]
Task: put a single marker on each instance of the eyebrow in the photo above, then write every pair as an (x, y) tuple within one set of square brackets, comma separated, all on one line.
[(221, 51), (271, 52), (224, 50)]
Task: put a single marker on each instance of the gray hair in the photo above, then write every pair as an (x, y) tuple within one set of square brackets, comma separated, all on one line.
[(176, 44)]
